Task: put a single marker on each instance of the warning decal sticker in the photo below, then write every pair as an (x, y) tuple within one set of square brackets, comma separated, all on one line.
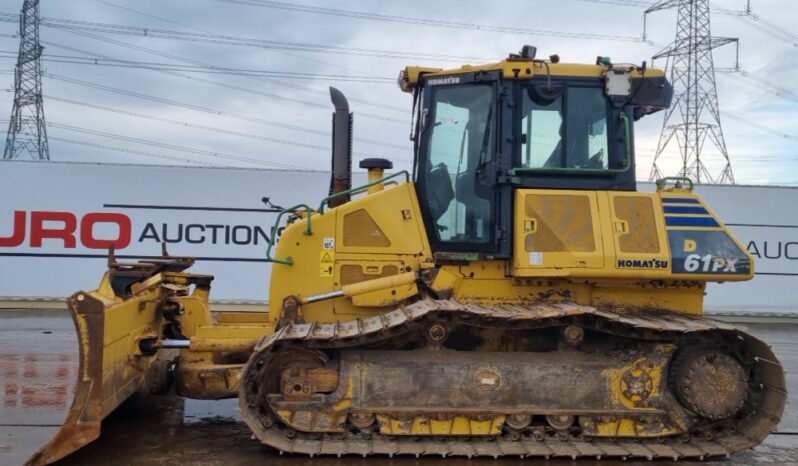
[(326, 261)]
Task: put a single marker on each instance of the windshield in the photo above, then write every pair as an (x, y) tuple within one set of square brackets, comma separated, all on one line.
[(565, 128), (460, 132)]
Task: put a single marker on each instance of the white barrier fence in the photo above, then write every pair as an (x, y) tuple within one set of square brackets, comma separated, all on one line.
[(57, 219)]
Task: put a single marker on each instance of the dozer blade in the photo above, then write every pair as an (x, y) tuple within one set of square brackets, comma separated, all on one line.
[(111, 323), (82, 423), (38, 365), (110, 370)]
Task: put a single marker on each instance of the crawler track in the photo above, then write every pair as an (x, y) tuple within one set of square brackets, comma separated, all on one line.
[(756, 421)]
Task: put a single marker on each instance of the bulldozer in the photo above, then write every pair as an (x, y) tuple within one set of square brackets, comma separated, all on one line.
[(512, 295)]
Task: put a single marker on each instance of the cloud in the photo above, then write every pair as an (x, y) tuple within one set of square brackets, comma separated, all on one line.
[(305, 104)]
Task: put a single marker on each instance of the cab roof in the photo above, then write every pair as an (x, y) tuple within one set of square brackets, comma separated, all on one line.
[(521, 68)]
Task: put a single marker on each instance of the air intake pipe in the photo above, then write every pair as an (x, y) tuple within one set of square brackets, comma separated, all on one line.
[(341, 177)]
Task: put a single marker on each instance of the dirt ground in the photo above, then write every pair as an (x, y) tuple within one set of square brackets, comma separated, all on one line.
[(38, 366)]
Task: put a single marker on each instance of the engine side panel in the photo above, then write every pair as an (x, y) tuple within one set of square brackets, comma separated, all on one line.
[(667, 235), (370, 237)]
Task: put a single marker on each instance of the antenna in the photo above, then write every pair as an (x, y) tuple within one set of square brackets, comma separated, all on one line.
[(694, 115), (27, 133)]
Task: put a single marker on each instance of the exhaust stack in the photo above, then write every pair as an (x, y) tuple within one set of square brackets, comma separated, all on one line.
[(341, 178)]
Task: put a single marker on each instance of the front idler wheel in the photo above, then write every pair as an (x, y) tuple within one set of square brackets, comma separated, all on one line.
[(711, 383)]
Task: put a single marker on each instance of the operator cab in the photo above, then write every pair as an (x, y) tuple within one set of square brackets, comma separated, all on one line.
[(523, 122)]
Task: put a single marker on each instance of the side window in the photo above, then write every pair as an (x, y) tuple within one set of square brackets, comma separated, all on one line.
[(566, 128), (460, 142), (588, 144), (543, 127)]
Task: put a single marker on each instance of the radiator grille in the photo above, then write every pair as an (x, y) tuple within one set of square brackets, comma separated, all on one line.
[(361, 230), (564, 223), (354, 273), (638, 212)]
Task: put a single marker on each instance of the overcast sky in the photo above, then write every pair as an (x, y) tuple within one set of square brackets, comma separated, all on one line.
[(284, 121)]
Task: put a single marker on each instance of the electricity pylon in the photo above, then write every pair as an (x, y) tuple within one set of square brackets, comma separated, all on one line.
[(693, 116), (27, 133)]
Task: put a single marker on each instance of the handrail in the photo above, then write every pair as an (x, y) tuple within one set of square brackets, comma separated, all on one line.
[(359, 189), (627, 138), (663, 181), (273, 236), (310, 212), (574, 170)]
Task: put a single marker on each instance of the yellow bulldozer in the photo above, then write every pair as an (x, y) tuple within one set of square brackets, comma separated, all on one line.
[(513, 295)]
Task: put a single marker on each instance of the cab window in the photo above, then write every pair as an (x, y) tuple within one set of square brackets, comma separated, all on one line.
[(460, 140), (564, 128)]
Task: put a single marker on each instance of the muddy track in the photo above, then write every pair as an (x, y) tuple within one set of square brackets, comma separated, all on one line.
[(758, 419)]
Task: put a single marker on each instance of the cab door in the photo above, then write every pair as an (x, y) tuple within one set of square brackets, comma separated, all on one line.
[(456, 177)]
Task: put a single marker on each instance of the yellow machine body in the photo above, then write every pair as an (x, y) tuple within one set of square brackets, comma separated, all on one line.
[(593, 248)]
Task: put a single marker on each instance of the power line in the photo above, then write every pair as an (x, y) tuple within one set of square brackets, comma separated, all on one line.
[(427, 21), (202, 69), (760, 157), (635, 3), (133, 151), (212, 111), (761, 127), (212, 129), (172, 73), (754, 20), (221, 39), (250, 90), (239, 88), (753, 79), (195, 28), (768, 27), (767, 158), (226, 85), (163, 145), (159, 18)]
